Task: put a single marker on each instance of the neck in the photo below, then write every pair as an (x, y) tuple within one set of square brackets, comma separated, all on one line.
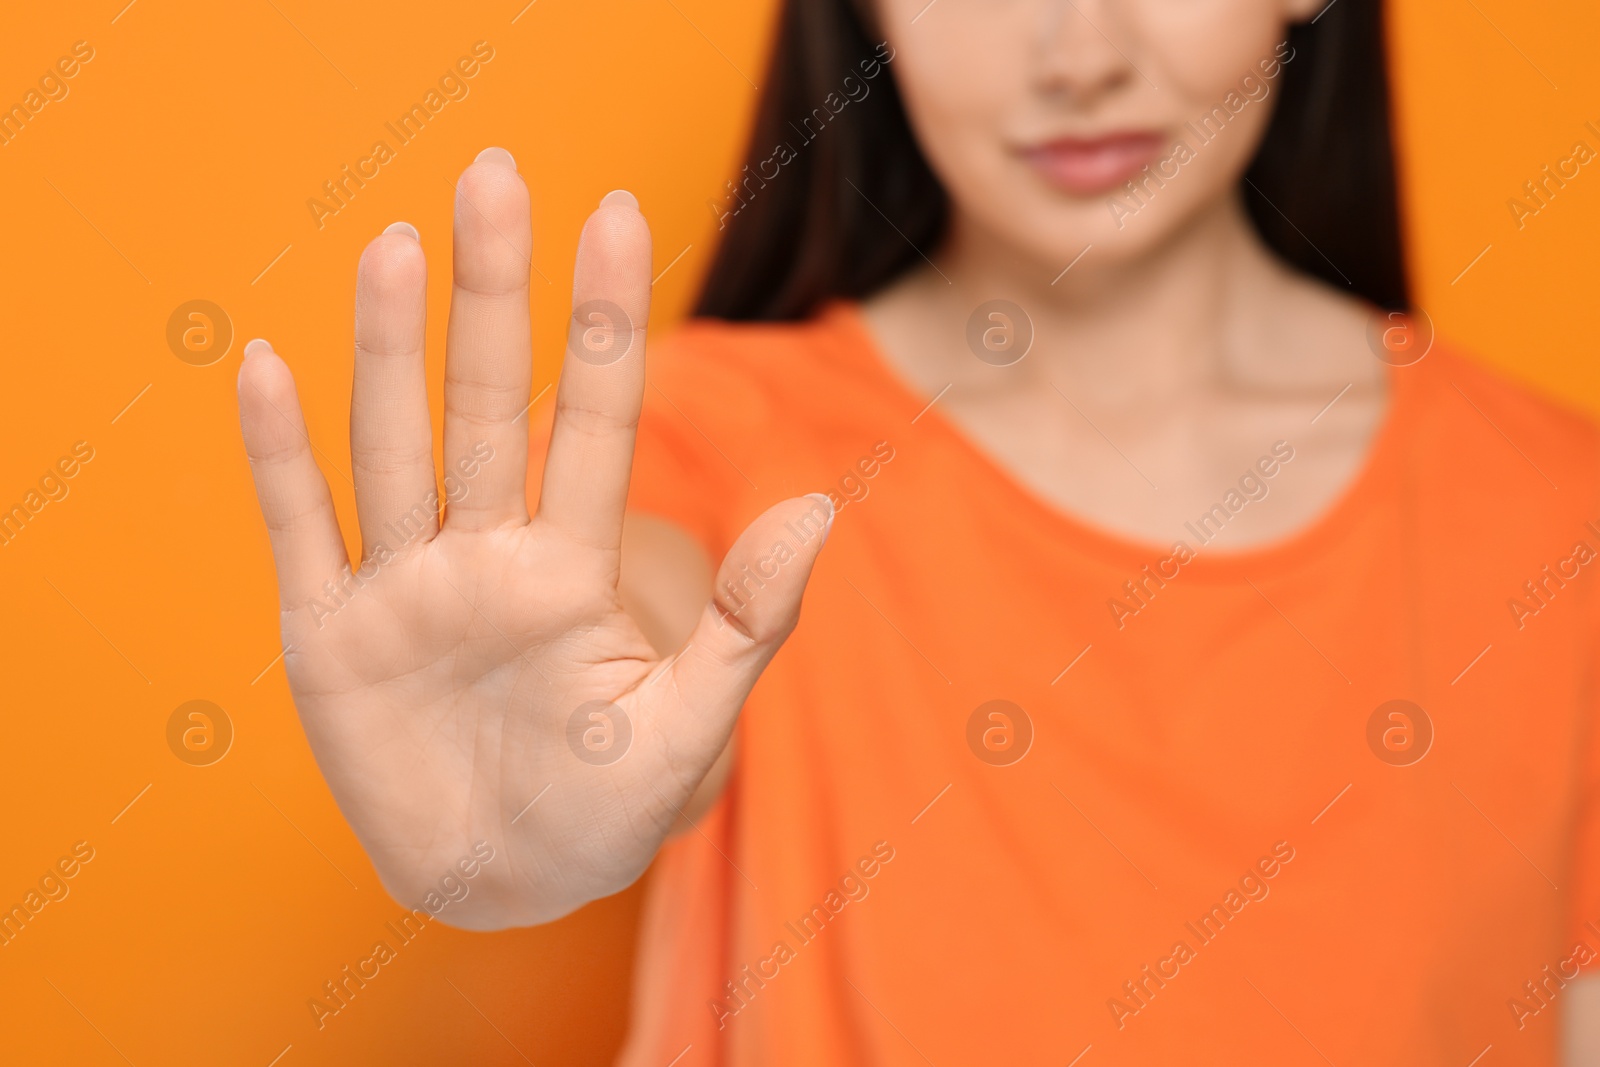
[(1195, 312)]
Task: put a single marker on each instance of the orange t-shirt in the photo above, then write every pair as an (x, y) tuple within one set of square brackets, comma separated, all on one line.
[(1195, 830)]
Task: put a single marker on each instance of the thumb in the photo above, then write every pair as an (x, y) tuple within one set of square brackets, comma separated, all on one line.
[(755, 604)]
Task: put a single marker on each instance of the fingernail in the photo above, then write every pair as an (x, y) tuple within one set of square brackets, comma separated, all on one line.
[(258, 347), (405, 228), (496, 155), (621, 197), (825, 501)]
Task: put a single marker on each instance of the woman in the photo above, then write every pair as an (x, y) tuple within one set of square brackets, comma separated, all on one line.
[(1198, 666)]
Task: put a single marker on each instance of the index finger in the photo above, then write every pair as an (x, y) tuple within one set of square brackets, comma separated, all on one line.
[(585, 489)]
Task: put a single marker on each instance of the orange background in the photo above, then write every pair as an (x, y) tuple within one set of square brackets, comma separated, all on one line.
[(178, 168)]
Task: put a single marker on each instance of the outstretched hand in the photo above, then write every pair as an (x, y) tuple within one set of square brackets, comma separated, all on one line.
[(477, 678)]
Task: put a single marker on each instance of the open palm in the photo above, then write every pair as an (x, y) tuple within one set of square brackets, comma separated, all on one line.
[(479, 679)]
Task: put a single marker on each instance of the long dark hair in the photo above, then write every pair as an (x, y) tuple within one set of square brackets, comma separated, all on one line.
[(1321, 189)]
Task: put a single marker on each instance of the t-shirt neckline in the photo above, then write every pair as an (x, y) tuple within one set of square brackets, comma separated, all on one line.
[(1378, 469)]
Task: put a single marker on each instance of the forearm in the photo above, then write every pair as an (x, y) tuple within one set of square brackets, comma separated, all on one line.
[(1580, 1036)]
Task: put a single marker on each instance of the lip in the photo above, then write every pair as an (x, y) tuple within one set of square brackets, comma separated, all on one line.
[(1088, 166)]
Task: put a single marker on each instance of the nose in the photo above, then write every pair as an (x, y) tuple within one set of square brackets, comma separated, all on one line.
[(1081, 50)]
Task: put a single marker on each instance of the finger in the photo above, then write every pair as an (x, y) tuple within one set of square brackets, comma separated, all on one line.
[(754, 607), (489, 347), (585, 488), (391, 439), (306, 545)]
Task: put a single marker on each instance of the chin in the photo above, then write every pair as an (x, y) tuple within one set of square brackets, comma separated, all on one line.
[(1064, 240), (1052, 228)]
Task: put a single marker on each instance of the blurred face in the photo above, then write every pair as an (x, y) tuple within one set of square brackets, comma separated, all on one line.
[(1038, 114)]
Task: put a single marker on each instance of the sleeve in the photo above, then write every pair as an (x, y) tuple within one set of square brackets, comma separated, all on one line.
[(1583, 917), (684, 948), (1583, 914)]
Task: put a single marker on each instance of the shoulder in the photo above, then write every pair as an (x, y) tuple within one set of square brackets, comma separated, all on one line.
[(1507, 438), (727, 340), (1467, 389), (776, 378)]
